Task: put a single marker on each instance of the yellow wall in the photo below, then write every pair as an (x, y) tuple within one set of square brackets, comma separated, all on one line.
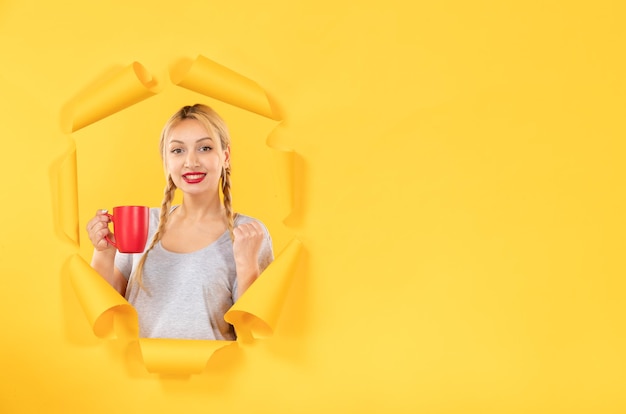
[(459, 185)]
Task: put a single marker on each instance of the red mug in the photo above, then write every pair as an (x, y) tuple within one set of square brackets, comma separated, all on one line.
[(131, 228)]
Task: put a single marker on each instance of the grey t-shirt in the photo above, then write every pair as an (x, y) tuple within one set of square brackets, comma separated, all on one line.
[(187, 294)]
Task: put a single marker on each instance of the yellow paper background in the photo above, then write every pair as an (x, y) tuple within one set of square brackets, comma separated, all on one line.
[(458, 185)]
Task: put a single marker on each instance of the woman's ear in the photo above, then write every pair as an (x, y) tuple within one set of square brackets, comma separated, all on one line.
[(227, 157)]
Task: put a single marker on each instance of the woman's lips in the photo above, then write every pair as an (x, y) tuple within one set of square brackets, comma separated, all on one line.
[(193, 178)]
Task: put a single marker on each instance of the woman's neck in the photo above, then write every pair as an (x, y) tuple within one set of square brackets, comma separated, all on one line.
[(201, 208)]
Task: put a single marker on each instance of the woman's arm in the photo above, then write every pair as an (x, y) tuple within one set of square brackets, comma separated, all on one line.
[(104, 264)]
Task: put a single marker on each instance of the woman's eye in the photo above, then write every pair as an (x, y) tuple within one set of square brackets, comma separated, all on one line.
[(205, 148), (177, 151)]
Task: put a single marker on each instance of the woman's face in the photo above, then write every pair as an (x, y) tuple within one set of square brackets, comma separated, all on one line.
[(195, 158)]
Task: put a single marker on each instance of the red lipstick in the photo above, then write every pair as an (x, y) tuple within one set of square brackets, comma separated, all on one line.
[(193, 177)]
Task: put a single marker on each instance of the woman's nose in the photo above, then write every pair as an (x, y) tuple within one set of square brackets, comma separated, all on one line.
[(191, 160)]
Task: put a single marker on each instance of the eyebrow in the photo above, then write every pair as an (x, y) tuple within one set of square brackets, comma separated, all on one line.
[(199, 140)]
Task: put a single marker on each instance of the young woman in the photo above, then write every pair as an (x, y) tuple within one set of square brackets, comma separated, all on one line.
[(202, 256)]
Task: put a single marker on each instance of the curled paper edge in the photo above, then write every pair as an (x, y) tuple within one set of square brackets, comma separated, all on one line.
[(257, 311), (107, 312), (219, 82), (64, 182), (111, 94), (178, 356), (283, 171), (284, 178)]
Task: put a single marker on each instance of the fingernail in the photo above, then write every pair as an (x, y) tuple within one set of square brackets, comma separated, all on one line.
[(104, 211)]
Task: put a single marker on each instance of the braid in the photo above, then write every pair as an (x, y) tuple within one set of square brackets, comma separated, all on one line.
[(228, 202), (166, 205)]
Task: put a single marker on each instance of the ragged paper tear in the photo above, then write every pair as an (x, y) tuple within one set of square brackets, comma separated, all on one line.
[(257, 312)]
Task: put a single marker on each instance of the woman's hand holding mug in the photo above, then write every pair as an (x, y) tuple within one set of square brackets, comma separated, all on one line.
[(98, 230), (130, 224)]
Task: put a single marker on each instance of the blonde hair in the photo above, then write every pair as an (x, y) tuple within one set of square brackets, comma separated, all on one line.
[(214, 124)]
